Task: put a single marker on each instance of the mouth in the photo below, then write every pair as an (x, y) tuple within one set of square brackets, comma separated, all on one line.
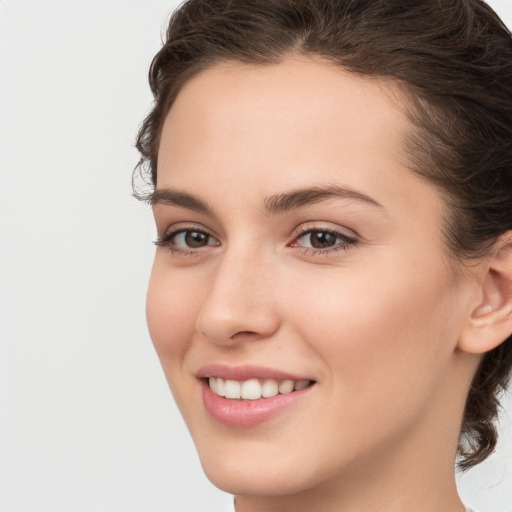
[(248, 396), (254, 389)]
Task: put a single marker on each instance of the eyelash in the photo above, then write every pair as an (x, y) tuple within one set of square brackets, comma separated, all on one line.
[(167, 241), (346, 243)]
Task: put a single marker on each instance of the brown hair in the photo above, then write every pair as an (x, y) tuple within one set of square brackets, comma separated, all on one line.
[(453, 61)]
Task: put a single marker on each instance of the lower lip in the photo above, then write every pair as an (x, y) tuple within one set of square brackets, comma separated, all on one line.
[(247, 413)]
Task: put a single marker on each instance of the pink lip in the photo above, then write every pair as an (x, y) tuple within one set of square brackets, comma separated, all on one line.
[(247, 413)]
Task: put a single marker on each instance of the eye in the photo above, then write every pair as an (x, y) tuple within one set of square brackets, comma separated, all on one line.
[(321, 240), (185, 240), (192, 239)]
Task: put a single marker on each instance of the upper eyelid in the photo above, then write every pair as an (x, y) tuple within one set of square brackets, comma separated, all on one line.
[(179, 227), (175, 232)]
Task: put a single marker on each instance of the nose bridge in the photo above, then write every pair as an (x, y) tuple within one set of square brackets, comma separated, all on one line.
[(239, 296)]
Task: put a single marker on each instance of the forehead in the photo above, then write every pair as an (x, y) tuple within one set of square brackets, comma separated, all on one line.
[(282, 105)]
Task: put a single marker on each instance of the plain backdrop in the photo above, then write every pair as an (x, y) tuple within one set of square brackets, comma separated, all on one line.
[(86, 420)]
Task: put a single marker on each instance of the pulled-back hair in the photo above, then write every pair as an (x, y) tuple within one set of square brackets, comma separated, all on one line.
[(452, 60)]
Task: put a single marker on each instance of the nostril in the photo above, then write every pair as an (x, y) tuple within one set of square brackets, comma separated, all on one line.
[(244, 334)]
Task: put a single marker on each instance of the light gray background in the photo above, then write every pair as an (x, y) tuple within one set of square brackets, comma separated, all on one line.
[(86, 420)]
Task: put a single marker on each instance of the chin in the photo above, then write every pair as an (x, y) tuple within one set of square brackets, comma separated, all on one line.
[(261, 471), (239, 479)]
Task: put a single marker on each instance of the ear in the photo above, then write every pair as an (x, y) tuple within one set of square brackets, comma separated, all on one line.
[(491, 320)]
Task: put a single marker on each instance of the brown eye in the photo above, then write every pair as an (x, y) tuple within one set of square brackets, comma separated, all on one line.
[(196, 239), (322, 239), (187, 239)]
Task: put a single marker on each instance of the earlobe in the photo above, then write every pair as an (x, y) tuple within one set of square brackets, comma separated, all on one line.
[(491, 320)]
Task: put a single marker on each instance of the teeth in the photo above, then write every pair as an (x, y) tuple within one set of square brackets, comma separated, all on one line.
[(269, 388), (217, 386), (286, 387), (221, 387), (231, 389), (251, 389), (254, 389)]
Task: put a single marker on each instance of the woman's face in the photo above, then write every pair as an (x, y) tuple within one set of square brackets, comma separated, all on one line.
[(296, 245)]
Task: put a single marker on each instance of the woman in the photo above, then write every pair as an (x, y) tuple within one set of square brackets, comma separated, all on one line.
[(331, 297)]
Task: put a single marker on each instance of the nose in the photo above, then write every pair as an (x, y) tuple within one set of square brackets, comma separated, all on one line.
[(240, 302)]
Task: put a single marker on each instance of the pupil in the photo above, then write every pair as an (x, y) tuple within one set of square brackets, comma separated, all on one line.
[(196, 239), (321, 240)]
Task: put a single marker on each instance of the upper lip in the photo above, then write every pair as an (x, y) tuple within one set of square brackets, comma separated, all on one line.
[(246, 372)]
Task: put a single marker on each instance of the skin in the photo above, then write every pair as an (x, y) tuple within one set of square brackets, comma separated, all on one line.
[(377, 323)]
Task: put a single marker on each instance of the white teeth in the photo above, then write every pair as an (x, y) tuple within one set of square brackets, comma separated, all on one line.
[(221, 387), (286, 387), (251, 389), (254, 389), (217, 385), (269, 388), (231, 389)]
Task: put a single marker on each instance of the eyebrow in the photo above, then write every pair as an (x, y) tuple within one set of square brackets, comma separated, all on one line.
[(274, 204), (306, 196), (173, 197)]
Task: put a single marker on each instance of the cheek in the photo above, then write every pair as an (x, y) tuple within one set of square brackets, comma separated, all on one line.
[(171, 310), (379, 331)]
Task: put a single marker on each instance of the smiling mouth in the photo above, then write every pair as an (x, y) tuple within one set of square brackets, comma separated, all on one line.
[(254, 389)]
